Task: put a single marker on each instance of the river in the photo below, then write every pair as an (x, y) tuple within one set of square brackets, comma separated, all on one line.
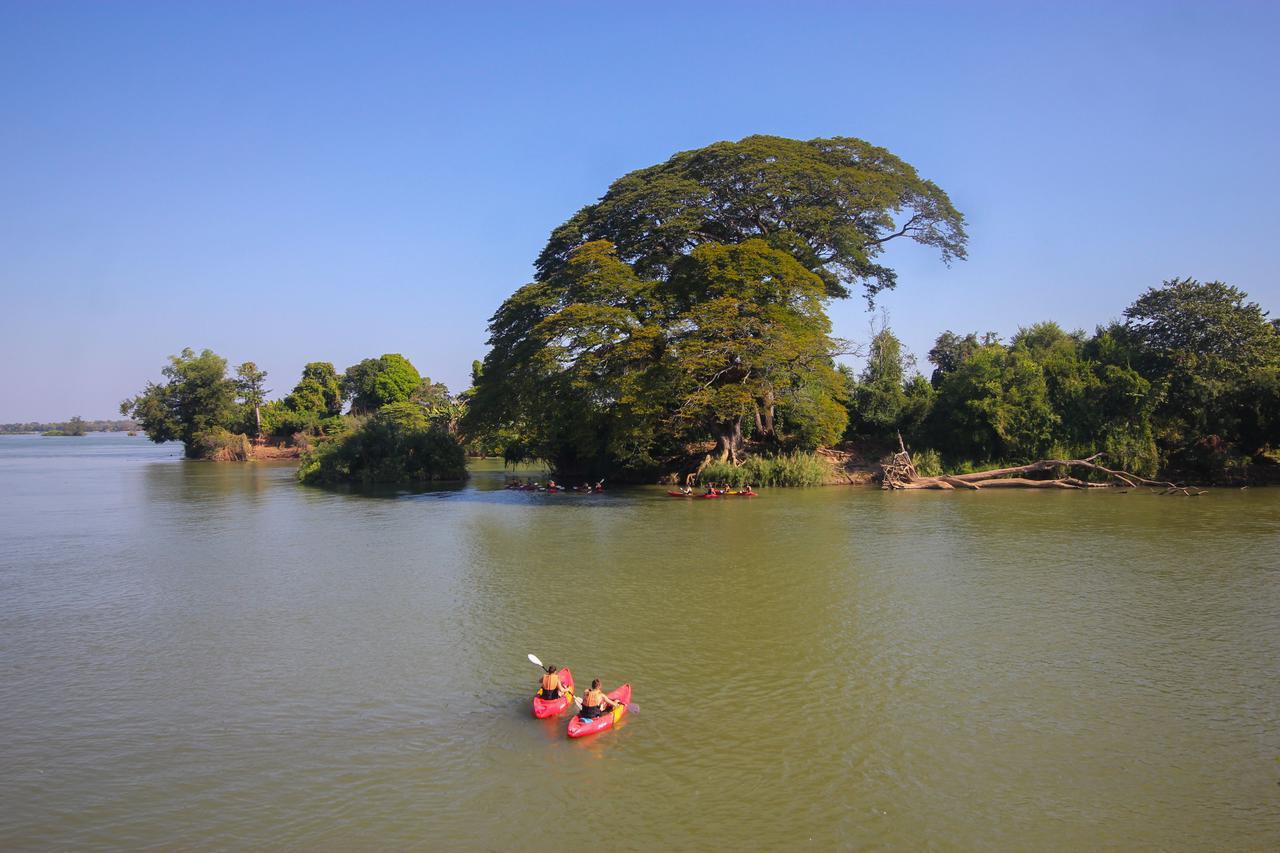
[(205, 655)]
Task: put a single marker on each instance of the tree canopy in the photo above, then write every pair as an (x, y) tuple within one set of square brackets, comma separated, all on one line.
[(376, 382), (601, 369), (833, 204)]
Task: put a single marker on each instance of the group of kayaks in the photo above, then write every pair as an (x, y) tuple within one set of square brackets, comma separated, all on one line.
[(580, 726), (553, 488), (715, 493)]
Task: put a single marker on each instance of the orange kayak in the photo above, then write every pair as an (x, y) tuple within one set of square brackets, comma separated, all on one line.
[(579, 727), (543, 708)]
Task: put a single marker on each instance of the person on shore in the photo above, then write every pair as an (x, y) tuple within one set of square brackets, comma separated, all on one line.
[(550, 687), (595, 703)]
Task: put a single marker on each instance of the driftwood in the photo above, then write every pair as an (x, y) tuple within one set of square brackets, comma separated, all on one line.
[(900, 473)]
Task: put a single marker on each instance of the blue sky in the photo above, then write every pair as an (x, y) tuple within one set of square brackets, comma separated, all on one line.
[(287, 182)]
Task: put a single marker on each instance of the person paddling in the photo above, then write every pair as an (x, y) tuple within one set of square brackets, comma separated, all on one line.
[(550, 686), (595, 703)]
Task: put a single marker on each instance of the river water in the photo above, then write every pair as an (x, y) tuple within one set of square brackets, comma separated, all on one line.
[(201, 655)]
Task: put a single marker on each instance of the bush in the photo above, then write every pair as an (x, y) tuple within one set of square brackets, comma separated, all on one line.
[(928, 462), (397, 445), (222, 446), (789, 469)]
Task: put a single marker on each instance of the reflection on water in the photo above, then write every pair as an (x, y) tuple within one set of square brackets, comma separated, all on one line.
[(205, 655)]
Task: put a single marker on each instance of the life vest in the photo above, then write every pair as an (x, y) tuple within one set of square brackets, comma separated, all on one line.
[(593, 699), (550, 682)]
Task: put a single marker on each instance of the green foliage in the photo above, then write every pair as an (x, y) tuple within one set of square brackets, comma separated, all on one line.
[(1203, 342), (198, 397), (829, 203), (928, 462), (249, 385), (318, 392), (377, 382), (316, 401), (950, 351), (1189, 380), (398, 444), (597, 369), (788, 469), (221, 445), (883, 402), (812, 417)]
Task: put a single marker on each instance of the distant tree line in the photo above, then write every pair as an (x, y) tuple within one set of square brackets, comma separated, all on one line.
[(74, 426)]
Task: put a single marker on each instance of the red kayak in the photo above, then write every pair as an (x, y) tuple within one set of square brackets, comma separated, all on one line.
[(579, 727), (543, 708)]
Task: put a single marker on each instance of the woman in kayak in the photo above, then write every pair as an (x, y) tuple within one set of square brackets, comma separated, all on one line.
[(550, 687), (595, 703)]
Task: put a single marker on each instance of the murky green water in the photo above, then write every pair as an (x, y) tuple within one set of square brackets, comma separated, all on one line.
[(196, 655)]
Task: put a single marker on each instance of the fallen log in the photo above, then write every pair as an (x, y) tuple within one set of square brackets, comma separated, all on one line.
[(900, 474)]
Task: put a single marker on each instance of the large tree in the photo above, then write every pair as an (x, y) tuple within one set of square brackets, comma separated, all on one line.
[(249, 385), (197, 398), (833, 204), (689, 303), (1204, 342)]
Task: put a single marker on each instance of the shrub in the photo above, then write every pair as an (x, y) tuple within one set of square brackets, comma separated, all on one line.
[(788, 469), (397, 445), (928, 462), (222, 446)]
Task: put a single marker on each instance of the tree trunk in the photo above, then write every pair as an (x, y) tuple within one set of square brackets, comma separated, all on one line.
[(764, 418), (729, 444), (900, 473)]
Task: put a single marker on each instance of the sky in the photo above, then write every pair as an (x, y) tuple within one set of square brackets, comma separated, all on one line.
[(288, 182)]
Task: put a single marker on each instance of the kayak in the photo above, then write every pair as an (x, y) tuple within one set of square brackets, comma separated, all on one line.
[(579, 727), (742, 494), (543, 708), (679, 495)]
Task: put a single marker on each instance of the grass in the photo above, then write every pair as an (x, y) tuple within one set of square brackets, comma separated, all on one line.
[(788, 469)]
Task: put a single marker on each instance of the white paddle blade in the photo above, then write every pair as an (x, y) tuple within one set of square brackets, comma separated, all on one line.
[(534, 660)]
